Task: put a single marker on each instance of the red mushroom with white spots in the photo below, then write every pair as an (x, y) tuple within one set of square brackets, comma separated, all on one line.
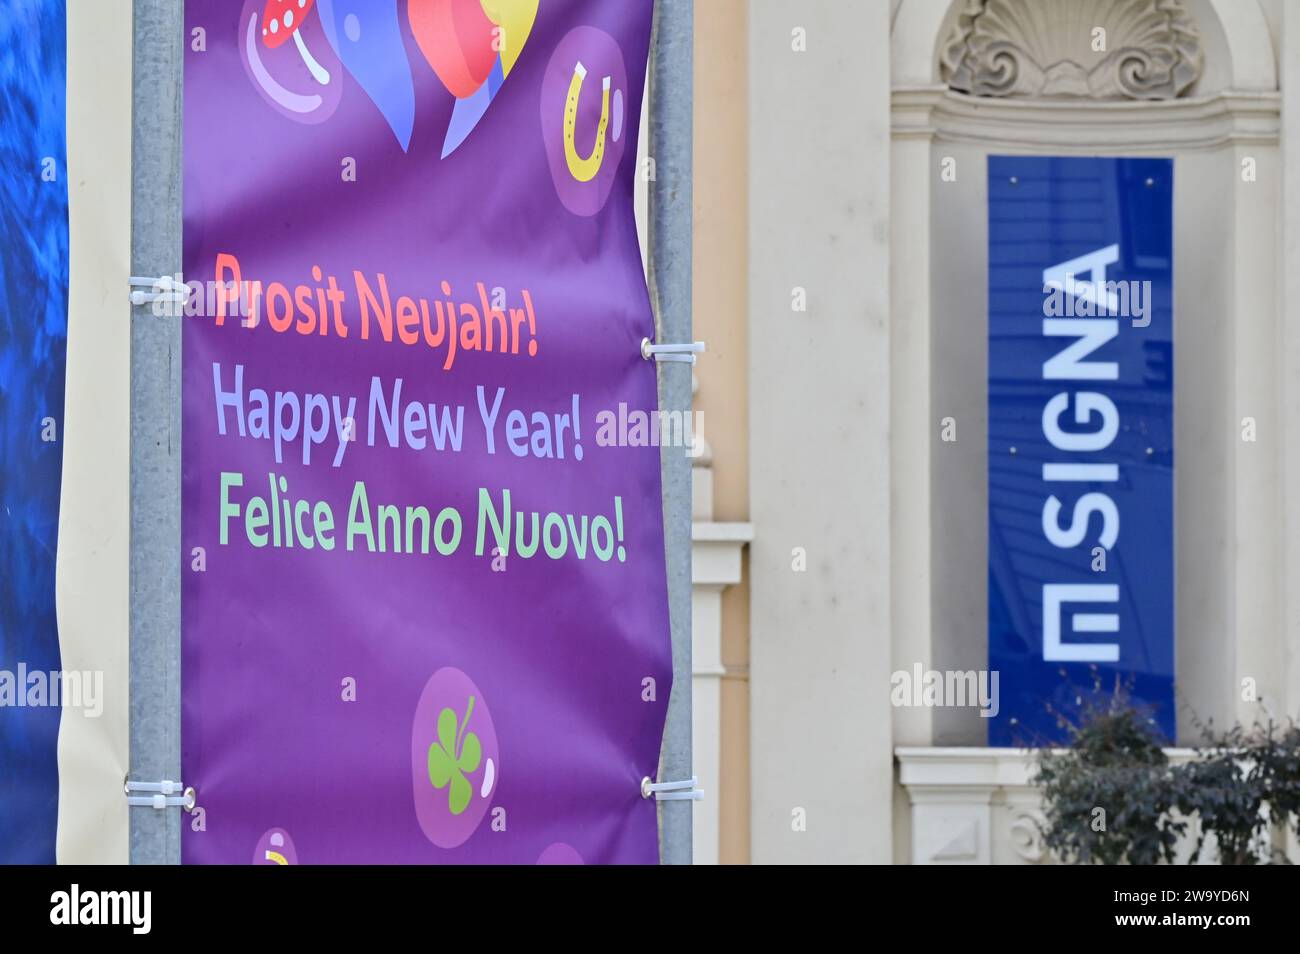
[(280, 21)]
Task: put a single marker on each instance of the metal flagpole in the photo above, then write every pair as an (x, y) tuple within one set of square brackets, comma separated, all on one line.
[(670, 242), (156, 559)]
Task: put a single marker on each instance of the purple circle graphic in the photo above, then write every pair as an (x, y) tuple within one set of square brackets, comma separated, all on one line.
[(585, 81), (455, 760), (275, 847), (560, 854), (301, 78)]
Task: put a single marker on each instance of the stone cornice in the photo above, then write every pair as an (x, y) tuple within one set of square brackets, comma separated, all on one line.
[(1087, 126)]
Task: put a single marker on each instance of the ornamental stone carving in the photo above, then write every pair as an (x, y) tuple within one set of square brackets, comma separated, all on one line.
[(1026, 833), (1096, 49)]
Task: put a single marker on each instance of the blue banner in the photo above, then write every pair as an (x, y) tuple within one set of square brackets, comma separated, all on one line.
[(33, 345), (1080, 437)]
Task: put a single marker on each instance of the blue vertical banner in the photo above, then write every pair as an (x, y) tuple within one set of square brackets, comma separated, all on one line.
[(33, 348), (1080, 431)]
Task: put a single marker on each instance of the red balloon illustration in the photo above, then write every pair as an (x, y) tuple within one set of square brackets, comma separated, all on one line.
[(456, 37)]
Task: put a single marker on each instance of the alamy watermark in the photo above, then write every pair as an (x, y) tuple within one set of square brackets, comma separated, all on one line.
[(133, 909), (1065, 296), (39, 688), (624, 427), (954, 688)]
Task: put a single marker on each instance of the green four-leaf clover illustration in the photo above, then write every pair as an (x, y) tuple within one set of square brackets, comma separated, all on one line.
[(451, 757)]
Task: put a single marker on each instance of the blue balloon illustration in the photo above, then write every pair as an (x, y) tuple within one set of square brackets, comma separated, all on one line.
[(368, 41), (467, 112)]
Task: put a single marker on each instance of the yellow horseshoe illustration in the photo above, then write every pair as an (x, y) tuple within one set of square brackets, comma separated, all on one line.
[(278, 858), (584, 170)]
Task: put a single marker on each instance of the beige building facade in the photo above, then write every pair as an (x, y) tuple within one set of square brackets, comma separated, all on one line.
[(840, 281)]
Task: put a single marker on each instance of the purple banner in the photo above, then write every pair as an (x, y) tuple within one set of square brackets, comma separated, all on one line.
[(424, 601)]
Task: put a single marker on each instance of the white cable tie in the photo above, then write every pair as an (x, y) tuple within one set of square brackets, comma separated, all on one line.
[(161, 801), (150, 281), (680, 791), (165, 787), (163, 794), (162, 288), (683, 353)]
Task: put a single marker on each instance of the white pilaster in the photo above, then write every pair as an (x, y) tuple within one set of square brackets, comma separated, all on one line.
[(715, 565)]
